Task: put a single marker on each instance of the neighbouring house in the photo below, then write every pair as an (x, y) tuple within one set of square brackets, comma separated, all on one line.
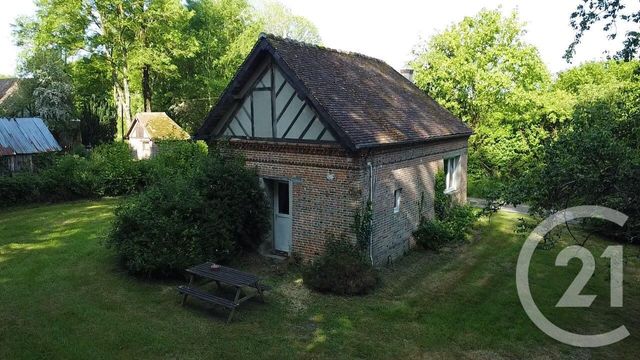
[(147, 128), (22, 138), (329, 130)]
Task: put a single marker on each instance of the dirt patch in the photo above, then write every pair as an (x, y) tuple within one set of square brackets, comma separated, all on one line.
[(296, 294)]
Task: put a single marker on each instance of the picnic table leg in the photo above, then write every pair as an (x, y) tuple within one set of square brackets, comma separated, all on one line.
[(231, 315), (238, 293), (184, 297), (235, 301), (260, 293)]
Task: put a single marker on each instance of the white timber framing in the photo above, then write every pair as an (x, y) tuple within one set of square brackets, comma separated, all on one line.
[(271, 108)]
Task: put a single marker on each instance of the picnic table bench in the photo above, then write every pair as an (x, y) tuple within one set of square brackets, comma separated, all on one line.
[(222, 275)]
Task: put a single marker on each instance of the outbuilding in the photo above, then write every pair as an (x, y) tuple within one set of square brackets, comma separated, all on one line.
[(148, 128), (329, 131), (20, 140)]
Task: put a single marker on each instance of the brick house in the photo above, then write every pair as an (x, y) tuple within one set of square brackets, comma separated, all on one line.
[(327, 131)]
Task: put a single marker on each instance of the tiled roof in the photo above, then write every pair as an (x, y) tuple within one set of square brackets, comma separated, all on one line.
[(26, 136), (160, 126), (369, 102)]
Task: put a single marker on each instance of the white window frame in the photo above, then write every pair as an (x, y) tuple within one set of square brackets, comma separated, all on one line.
[(452, 174), (397, 199)]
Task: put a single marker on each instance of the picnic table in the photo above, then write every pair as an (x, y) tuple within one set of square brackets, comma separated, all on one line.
[(219, 274)]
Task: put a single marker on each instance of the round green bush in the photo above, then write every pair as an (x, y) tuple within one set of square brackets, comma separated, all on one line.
[(341, 270), (207, 214)]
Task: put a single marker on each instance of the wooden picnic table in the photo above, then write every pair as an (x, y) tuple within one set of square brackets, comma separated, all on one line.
[(222, 275)]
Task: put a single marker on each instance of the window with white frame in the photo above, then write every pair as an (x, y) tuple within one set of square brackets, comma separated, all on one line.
[(397, 196), (451, 171)]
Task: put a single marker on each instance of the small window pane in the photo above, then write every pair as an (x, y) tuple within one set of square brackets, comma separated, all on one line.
[(283, 198), (397, 197), (451, 173)]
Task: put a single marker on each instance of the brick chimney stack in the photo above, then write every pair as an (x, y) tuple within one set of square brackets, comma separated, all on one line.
[(407, 73)]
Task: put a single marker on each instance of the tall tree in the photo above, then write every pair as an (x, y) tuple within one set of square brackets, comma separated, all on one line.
[(48, 83), (226, 31), (93, 98), (281, 21), (596, 159), (142, 36), (175, 55), (86, 28), (608, 13), (482, 70), (162, 37)]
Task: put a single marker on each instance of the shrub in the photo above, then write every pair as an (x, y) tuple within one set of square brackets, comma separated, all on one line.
[(433, 234), (176, 157), (208, 214), (108, 171), (20, 188), (154, 232), (451, 222), (460, 219), (43, 161), (234, 201), (69, 178), (115, 170), (341, 270), (442, 202)]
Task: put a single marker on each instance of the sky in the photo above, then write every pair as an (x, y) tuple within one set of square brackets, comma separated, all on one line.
[(389, 30)]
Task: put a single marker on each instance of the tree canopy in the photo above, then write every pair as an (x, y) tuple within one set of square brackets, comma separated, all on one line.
[(483, 71), (279, 20), (608, 13), (125, 56), (595, 159)]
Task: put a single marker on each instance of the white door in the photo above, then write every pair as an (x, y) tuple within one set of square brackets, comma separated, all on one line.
[(282, 216)]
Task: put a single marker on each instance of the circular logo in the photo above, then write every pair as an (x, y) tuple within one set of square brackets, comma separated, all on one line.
[(572, 297)]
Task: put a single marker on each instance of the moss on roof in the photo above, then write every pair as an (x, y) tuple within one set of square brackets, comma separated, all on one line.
[(159, 126)]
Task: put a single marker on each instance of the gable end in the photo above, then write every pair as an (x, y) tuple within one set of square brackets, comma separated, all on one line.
[(271, 108)]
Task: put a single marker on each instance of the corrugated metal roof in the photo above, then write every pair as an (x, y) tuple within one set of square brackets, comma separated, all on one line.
[(26, 136)]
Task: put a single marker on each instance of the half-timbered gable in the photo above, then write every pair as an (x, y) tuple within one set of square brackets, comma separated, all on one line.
[(272, 108)]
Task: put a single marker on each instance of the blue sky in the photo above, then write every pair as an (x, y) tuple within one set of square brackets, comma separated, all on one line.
[(389, 29)]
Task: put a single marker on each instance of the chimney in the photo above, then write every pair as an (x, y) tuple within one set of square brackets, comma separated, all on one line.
[(407, 73)]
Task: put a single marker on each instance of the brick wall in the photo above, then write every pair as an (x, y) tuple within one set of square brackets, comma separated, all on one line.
[(329, 184), (413, 171), (326, 188)]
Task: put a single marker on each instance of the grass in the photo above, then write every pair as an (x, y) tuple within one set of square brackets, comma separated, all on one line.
[(62, 295)]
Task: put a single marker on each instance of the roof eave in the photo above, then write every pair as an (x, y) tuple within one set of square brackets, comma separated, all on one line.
[(413, 142)]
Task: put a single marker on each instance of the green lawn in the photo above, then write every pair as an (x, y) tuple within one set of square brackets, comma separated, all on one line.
[(62, 295)]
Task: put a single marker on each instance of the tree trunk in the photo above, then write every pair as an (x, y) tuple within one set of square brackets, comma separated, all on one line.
[(117, 99), (126, 109), (146, 87)]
